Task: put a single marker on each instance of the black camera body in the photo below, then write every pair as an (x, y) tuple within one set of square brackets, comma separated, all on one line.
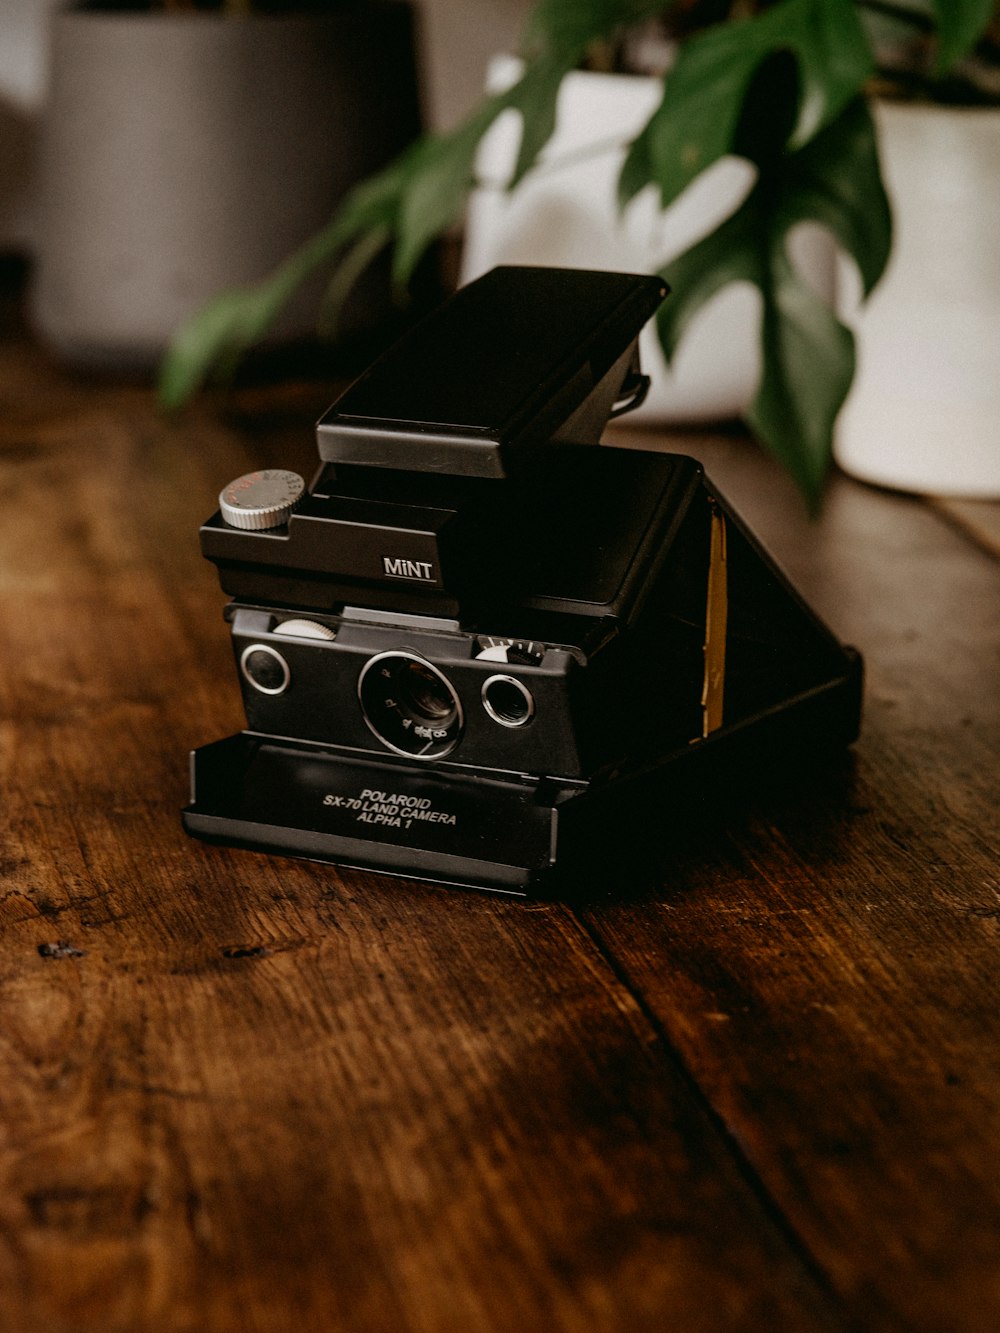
[(479, 644)]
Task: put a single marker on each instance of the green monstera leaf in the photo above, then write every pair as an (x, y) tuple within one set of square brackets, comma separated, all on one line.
[(781, 90), (808, 355), (435, 193), (959, 24), (705, 91)]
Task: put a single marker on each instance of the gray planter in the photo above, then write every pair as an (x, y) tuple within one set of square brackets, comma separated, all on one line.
[(183, 154)]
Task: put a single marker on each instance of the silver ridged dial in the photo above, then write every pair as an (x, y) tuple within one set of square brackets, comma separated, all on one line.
[(261, 500)]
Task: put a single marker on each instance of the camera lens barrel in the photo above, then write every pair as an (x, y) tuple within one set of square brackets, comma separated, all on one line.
[(410, 705)]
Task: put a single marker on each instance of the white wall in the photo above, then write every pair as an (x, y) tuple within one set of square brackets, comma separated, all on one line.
[(459, 37)]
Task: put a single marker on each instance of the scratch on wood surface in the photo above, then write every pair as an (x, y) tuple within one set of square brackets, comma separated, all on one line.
[(110, 1210), (246, 951), (61, 949), (148, 1089)]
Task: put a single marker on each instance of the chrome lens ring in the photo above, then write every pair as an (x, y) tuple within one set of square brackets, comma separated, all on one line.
[(508, 701), (410, 705)]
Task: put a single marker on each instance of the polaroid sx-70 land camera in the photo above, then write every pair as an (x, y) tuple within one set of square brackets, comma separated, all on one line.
[(479, 646)]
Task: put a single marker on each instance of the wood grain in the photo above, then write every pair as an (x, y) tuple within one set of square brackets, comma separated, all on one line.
[(243, 1093), (250, 1094)]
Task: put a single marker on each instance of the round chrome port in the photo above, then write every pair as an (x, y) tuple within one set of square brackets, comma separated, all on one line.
[(508, 701), (410, 705), (265, 669)]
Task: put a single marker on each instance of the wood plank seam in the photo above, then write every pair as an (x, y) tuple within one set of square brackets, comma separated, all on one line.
[(795, 1243)]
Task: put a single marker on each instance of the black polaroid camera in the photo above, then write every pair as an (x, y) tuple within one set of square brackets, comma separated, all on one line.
[(479, 645)]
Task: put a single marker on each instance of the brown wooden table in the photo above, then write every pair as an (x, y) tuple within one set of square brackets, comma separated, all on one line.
[(246, 1093)]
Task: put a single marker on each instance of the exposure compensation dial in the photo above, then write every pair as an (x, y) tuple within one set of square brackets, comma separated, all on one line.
[(261, 500)]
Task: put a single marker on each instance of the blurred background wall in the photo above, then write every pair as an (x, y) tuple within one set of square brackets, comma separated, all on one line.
[(457, 38)]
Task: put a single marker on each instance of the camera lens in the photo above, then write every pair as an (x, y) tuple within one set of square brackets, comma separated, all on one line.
[(410, 705), (426, 694), (508, 701)]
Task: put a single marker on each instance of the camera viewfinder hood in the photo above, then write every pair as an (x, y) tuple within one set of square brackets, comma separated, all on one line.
[(520, 357)]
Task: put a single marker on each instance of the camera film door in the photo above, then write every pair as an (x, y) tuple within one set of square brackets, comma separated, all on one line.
[(305, 800)]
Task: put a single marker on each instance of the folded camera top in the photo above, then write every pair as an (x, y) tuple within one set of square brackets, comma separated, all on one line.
[(477, 637), (524, 356), (443, 483)]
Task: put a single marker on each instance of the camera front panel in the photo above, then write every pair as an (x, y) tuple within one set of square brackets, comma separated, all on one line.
[(415, 692)]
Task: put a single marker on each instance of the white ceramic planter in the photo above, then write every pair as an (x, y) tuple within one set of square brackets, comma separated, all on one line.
[(565, 214), (924, 412), (187, 153)]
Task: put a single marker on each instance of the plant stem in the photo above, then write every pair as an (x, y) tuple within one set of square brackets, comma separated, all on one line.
[(914, 17)]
